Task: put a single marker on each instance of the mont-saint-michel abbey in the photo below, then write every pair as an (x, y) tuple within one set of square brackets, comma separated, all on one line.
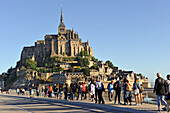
[(63, 58), (65, 43)]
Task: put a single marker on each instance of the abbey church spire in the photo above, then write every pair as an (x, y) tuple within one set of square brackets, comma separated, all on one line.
[(61, 18), (61, 27)]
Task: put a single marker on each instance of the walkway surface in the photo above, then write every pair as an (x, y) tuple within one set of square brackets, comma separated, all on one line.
[(25, 104)]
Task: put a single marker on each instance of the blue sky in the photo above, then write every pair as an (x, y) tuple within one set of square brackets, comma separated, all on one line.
[(133, 34)]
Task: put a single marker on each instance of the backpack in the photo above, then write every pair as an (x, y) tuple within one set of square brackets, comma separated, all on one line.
[(115, 85), (84, 88), (128, 87), (50, 89)]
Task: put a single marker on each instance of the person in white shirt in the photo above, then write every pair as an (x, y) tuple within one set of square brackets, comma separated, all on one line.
[(92, 92)]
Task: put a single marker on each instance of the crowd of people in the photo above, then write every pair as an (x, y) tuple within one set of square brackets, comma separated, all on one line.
[(94, 89)]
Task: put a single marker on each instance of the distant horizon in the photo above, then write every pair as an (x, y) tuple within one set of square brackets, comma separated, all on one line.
[(133, 35)]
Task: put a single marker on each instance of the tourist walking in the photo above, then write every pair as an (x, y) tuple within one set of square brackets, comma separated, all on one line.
[(18, 91), (89, 89), (136, 91), (92, 90), (84, 90), (56, 90), (50, 90), (30, 92), (37, 91), (127, 92), (161, 90), (110, 90), (117, 88), (141, 89), (77, 91), (100, 87), (21, 91), (61, 91), (43, 91), (73, 92), (96, 92), (81, 91), (65, 88), (46, 91), (124, 91)]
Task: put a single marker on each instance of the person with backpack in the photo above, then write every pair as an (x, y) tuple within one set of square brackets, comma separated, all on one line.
[(161, 90), (117, 88), (110, 90), (100, 88), (127, 92)]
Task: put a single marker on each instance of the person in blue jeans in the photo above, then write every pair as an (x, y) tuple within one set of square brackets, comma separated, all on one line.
[(117, 88), (161, 90), (80, 91)]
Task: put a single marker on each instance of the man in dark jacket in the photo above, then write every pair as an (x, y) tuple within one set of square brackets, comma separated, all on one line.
[(117, 88), (161, 90)]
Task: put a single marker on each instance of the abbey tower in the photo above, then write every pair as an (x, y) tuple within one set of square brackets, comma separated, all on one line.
[(64, 44)]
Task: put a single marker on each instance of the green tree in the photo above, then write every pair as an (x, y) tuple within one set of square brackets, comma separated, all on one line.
[(110, 64), (83, 61), (86, 71), (60, 69), (94, 59), (86, 61), (94, 66), (80, 61), (85, 53), (31, 64)]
